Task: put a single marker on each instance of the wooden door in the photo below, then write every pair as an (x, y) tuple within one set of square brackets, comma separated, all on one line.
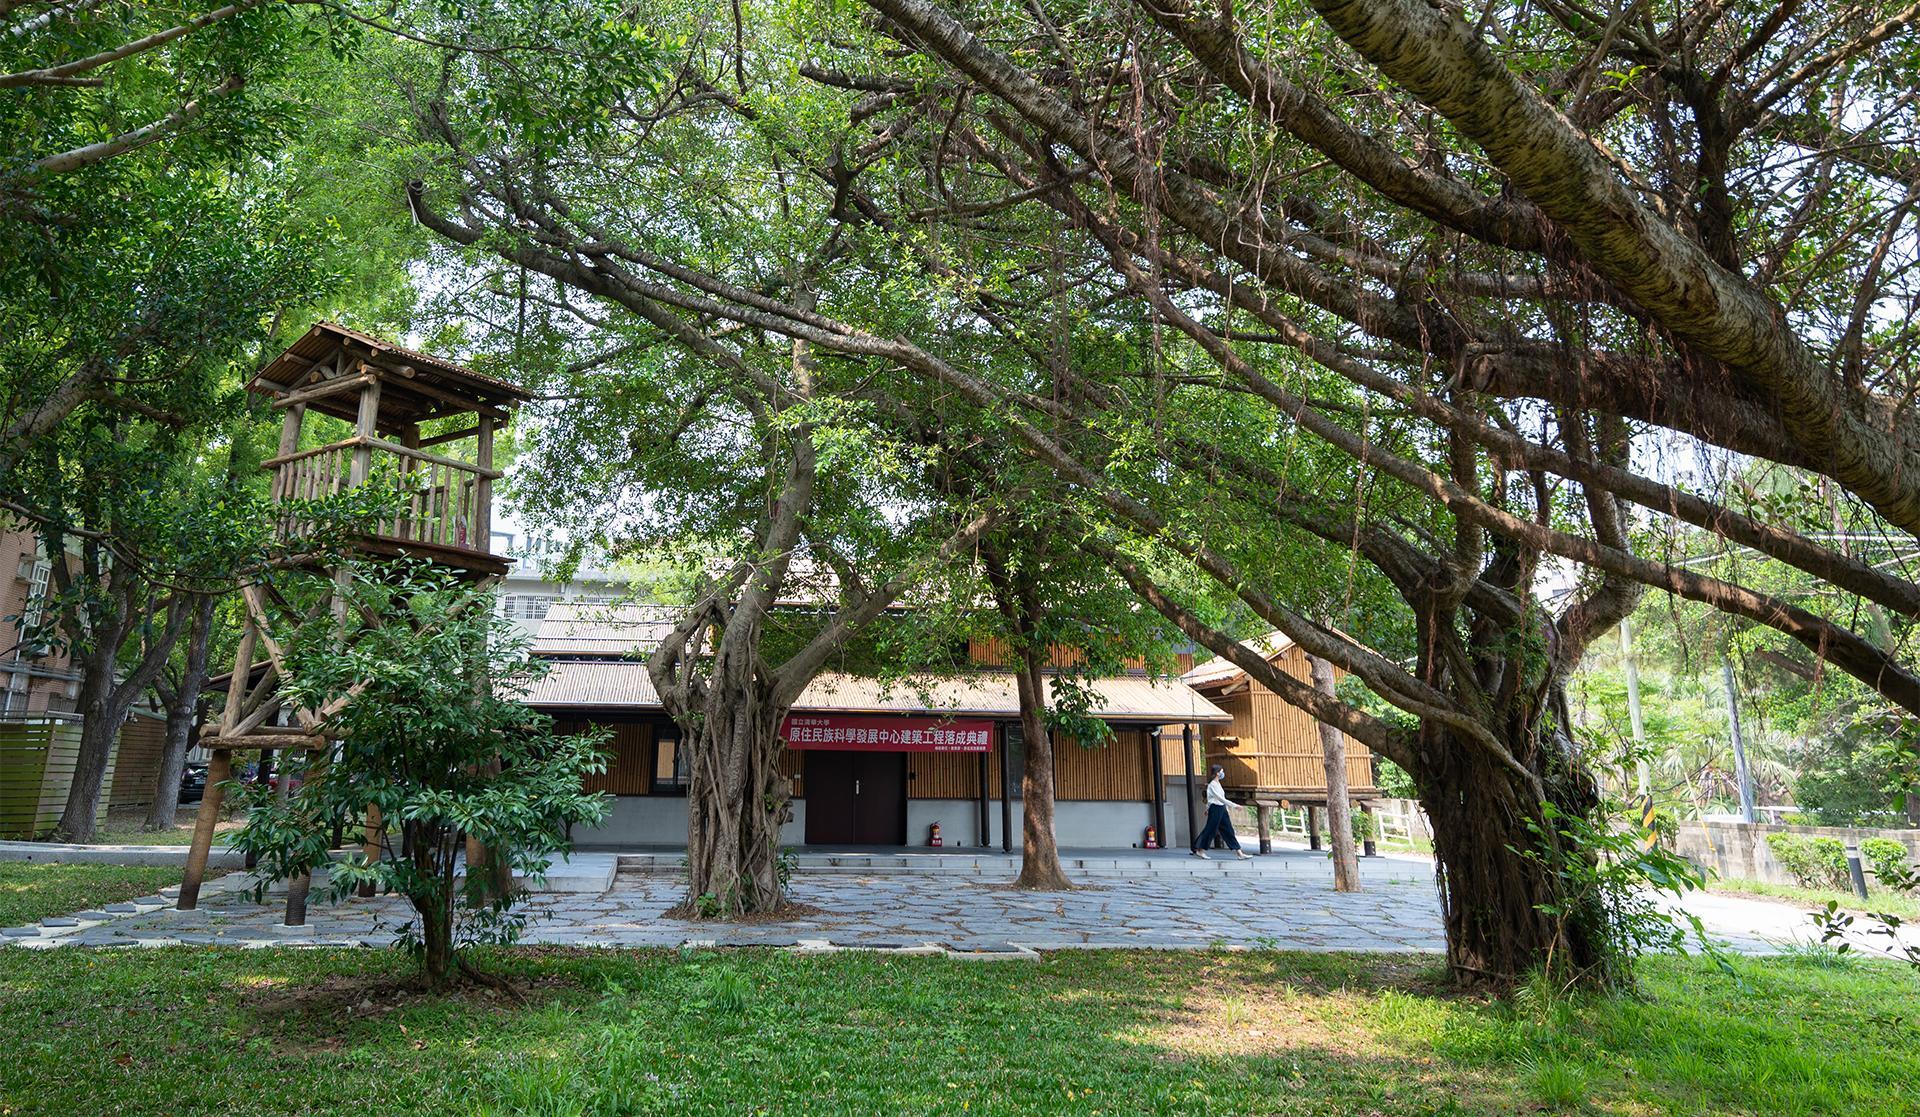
[(880, 799), (830, 809)]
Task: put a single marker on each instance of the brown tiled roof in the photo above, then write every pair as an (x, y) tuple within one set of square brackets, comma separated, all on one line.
[(605, 684)]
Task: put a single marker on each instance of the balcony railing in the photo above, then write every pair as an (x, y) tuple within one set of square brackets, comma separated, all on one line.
[(438, 501)]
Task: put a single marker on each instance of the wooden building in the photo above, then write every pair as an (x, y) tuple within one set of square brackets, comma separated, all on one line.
[(1270, 748), (871, 763)]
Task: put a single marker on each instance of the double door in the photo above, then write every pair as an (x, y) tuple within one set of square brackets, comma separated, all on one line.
[(856, 798)]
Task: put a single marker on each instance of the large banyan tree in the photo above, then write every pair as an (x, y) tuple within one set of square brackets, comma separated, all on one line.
[(1297, 300)]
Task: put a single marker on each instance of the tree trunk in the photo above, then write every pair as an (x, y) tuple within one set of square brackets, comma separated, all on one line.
[(180, 715), (1491, 892), (99, 728), (1039, 853), (736, 797), (1333, 750)]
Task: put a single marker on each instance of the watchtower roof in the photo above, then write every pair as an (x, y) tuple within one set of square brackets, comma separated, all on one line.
[(415, 386)]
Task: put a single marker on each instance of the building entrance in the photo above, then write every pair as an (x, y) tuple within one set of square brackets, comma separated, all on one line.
[(856, 798)]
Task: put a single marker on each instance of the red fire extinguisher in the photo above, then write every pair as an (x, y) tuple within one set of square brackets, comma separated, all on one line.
[(1153, 839), (933, 834)]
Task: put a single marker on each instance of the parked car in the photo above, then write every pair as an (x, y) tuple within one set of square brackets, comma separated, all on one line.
[(193, 782)]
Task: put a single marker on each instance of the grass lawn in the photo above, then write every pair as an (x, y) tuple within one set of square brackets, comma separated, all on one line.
[(196, 1031), (129, 828), (32, 891), (1879, 899)]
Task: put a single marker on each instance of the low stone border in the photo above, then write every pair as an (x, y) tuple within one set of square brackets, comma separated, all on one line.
[(50, 931), (57, 852)]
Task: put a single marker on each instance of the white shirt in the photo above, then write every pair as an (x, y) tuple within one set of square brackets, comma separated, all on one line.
[(1216, 794)]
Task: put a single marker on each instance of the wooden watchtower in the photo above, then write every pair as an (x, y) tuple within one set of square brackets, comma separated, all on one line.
[(345, 380)]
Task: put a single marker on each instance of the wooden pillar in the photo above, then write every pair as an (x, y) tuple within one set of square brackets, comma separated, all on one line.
[(219, 770), (1263, 816), (297, 890), (1006, 790), (373, 837), (1193, 820), (983, 832), (1313, 826), (483, 488), (1159, 786), (299, 886), (367, 427)]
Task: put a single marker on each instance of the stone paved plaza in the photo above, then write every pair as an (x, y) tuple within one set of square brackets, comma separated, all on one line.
[(1284, 901), (964, 913)]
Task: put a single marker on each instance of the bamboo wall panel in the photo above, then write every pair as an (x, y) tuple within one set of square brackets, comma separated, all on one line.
[(945, 775), (629, 761), (142, 747), (36, 771), (1119, 771)]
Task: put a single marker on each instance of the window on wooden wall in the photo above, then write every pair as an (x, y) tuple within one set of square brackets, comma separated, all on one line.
[(1013, 739), (669, 767)]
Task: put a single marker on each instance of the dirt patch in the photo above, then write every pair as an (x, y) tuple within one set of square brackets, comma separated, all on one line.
[(319, 1015)]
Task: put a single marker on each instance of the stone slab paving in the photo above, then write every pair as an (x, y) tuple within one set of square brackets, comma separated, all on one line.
[(959, 914)]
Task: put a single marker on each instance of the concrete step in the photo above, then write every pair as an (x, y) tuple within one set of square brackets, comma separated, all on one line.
[(1004, 867)]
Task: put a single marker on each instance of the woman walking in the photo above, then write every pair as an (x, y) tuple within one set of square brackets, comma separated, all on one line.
[(1219, 823)]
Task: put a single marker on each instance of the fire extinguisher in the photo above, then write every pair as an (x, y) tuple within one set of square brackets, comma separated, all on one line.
[(933, 834), (1153, 839)]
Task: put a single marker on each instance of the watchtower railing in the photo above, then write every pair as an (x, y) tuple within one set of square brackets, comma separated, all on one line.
[(438, 501)]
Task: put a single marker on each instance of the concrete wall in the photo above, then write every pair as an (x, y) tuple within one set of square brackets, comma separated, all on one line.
[(1076, 823), (1739, 850), (661, 820)]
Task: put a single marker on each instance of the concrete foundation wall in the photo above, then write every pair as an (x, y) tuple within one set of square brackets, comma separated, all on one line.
[(1739, 850), (662, 821)]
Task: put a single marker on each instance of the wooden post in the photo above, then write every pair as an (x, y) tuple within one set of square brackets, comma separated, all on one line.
[(984, 831), (219, 770), (1263, 815), (374, 837), (1313, 826), (483, 488), (367, 427), (297, 890), (299, 886), (1186, 756), (1006, 791), (1159, 786)]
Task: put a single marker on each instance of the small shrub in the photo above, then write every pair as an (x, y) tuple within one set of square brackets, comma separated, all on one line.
[(1814, 862), (1887, 858)]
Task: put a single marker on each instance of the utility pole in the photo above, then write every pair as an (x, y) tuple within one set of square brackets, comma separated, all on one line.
[(1633, 708), (1739, 746)]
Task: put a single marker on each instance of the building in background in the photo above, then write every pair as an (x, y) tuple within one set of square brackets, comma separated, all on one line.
[(527, 593), (38, 680), (870, 763), (39, 730)]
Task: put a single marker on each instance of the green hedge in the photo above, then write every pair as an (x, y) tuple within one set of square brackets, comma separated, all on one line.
[(1814, 862), (1887, 858)]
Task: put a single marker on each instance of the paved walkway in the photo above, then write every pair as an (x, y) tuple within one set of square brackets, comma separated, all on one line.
[(1284, 901)]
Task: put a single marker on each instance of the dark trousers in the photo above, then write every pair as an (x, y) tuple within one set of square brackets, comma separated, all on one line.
[(1219, 825)]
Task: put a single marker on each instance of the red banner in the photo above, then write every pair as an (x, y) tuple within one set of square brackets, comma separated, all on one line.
[(885, 734)]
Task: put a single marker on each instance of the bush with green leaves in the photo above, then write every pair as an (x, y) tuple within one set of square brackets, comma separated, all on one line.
[(1814, 862), (1888, 859), (425, 677)]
